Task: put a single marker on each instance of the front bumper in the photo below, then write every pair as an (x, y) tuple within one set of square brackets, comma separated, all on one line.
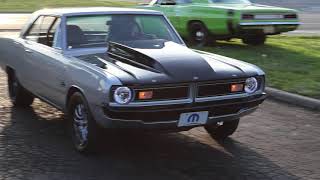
[(172, 125), (166, 117)]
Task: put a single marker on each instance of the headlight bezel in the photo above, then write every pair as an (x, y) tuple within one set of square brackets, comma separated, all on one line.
[(116, 95), (251, 85)]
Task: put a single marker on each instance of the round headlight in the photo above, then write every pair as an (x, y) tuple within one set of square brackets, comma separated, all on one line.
[(122, 95), (251, 85)]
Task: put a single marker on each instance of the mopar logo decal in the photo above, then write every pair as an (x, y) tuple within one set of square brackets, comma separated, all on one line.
[(193, 118)]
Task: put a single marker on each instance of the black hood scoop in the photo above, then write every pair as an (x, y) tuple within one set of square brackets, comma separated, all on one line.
[(135, 58)]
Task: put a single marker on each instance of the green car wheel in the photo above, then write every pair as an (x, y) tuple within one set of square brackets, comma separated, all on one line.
[(198, 34)]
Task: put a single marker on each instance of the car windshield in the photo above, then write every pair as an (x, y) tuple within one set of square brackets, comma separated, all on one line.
[(231, 1), (98, 30)]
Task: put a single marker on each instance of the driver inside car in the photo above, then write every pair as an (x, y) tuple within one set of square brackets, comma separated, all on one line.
[(124, 28)]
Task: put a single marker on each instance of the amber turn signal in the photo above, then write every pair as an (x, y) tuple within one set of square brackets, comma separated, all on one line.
[(236, 87), (145, 94)]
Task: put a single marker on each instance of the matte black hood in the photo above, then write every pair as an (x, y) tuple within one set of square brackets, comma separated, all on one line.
[(167, 63)]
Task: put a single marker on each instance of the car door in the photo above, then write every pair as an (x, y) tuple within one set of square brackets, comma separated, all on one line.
[(48, 65), (26, 67), (168, 8), (182, 15)]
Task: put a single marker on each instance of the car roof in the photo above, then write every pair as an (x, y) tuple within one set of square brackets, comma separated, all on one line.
[(94, 10)]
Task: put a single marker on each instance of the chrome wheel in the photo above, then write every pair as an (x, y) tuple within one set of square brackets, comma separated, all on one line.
[(80, 126), (200, 35)]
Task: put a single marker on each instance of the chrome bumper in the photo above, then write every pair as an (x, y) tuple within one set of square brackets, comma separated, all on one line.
[(173, 124), (269, 23)]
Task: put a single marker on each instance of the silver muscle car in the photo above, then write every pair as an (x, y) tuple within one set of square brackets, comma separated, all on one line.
[(112, 68)]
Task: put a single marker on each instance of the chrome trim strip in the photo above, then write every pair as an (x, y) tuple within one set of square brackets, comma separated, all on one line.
[(151, 103), (164, 87), (239, 114), (219, 83), (226, 97), (268, 23), (146, 123)]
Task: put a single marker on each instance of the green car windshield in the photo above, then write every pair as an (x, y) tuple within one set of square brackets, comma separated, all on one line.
[(231, 1), (130, 30)]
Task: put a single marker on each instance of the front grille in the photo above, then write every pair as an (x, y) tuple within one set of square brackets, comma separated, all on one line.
[(159, 93), (165, 93), (217, 89), (189, 91)]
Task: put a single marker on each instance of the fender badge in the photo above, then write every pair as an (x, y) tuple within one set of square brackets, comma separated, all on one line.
[(153, 80), (195, 78), (234, 75)]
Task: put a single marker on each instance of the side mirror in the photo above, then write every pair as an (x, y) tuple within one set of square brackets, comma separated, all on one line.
[(168, 2)]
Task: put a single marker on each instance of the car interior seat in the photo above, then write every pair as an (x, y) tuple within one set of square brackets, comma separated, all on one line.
[(75, 36)]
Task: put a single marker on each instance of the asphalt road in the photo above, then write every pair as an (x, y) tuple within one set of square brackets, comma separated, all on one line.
[(278, 141), (311, 22)]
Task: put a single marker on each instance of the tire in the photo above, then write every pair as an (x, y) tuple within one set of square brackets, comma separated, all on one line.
[(83, 129), (254, 40), (221, 132), (198, 34), (19, 96)]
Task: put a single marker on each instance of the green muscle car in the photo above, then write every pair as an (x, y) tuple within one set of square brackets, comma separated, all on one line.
[(204, 21)]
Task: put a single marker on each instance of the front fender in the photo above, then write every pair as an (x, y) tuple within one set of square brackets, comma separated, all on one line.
[(93, 82)]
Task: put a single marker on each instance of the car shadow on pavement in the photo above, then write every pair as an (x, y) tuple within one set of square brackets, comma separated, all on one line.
[(34, 145)]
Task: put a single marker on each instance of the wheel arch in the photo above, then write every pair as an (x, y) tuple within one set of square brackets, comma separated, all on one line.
[(73, 89), (195, 21), (9, 70)]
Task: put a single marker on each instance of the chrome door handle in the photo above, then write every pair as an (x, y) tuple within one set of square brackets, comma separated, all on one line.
[(28, 50)]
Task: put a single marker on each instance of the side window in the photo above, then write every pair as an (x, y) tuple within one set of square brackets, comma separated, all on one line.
[(34, 31), (46, 25), (43, 31)]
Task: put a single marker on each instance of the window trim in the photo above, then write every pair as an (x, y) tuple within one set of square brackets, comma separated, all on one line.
[(166, 20), (30, 27), (58, 28), (36, 19)]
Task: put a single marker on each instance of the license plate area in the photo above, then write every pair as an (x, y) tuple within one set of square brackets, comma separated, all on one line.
[(193, 118)]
